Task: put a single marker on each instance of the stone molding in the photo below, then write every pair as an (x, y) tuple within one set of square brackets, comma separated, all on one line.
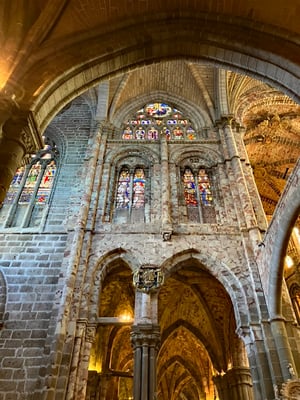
[(290, 390)]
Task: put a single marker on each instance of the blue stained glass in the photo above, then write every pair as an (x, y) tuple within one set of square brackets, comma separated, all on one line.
[(140, 134), (158, 110), (204, 188), (138, 189), (18, 177)]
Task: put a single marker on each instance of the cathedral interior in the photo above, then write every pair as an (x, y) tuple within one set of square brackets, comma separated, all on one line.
[(150, 200)]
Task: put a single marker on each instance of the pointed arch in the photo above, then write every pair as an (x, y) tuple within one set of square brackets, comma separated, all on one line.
[(273, 249), (223, 273), (100, 267)]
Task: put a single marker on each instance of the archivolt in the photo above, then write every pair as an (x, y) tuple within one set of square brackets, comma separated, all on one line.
[(218, 269)]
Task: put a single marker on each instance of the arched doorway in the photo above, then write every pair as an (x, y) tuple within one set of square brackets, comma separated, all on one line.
[(111, 359), (201, 355)]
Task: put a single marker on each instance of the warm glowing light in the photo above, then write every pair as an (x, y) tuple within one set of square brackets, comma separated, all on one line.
[(125, 317), (289, 261), (95, 366), (4, 74)]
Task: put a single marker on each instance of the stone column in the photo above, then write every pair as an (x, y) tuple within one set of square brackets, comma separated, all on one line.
[(145, 339), (235, 384), (287, 364), (83, 367), (260, 361), (233, 158), (145, 335), (18, 137), (250, 181), (166, 225)]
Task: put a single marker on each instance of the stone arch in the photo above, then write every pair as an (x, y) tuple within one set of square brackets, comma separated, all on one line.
[(198, 36), (196, 332), (208, 156), (3, 298), (100, 265), (233, 286), (130, 149), (59, 138), (273, 248), (180, 360)]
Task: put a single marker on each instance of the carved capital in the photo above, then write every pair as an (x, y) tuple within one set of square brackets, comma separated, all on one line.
[(145, 335), (21, 128)]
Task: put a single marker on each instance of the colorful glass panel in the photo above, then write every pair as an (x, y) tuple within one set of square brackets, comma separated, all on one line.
[(127, 133), (46, 184), (138, 188), (189, 188), (152, 134), (140, 134), (14, 186), (123, 195), (158, 110), (190, 134), (30, 183), (204, 188), (178, 133), (158, 118)]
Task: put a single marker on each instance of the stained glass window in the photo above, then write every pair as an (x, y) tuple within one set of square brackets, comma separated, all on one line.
[(189, 188), (138, 188), (123, 194), (157, 119), (198, 196), (204, 188), (130, 196), (30, 189)]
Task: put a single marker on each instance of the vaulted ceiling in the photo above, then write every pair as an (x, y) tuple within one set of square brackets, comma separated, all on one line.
[(270, 119)]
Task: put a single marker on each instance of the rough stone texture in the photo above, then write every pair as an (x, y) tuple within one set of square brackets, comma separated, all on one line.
[(214, 307)]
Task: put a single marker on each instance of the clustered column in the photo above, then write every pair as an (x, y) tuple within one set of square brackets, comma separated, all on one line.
[(235, 162), (235, 384), (145, 335), (145, 340)]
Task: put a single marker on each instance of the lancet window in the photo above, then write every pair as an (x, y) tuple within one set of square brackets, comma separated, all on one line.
[(30, 190), (156, 120), (198, 195), (130, 195)]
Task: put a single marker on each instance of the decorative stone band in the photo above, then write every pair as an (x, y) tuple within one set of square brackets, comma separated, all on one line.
[(148, 278)]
